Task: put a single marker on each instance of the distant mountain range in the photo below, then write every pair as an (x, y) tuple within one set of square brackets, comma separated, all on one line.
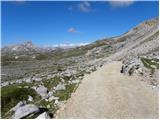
[(28, 46)]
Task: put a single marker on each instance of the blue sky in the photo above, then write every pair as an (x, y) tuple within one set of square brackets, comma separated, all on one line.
[(49, 23)]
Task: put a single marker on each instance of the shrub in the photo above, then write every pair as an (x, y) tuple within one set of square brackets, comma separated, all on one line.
[(11, 95)]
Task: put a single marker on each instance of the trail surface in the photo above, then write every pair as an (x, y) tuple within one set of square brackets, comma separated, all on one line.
[(106, 93)]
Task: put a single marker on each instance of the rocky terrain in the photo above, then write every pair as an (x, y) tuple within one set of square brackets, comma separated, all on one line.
[(39, 80), (106, 93)]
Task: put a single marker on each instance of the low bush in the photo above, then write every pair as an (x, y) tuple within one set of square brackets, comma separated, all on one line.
[(11, 95)]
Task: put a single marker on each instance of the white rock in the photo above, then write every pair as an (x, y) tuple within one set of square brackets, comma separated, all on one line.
[(28, 80), (25, 110), (60, 86), (50, 93), (26, 86), (75, 81), (56, 102), (62, 80), (4, 84), (43, 116), (53, 98), (16, 57), (34, 87), (50, 76), (20, 104), (30, 98), (42, 91), (153, 66), (38, 79)]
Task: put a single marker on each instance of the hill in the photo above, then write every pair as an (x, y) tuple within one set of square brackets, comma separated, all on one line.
[(41, 80)]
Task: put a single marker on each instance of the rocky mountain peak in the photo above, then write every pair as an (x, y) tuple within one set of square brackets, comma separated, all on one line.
[(29, 44), (148, 24)]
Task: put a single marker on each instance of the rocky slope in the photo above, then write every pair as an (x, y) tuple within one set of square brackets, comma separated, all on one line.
[(48, 77)]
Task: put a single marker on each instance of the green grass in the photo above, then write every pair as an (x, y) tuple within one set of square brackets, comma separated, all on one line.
[(67, 78), (51, 82), (42, 57), (43, 103), (148, 62), (65, 94), (11, 95)]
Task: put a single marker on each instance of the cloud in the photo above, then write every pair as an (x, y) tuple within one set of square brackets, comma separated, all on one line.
[(84, 7), (70, 45), (20, 2), (120, 4), (72, 30)]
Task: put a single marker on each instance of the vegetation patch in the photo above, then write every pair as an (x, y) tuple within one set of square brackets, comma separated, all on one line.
[(149, 62), (65, 94), (11, 95), (51, 82)]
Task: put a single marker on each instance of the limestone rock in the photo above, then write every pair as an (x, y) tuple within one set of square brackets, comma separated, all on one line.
[(30, 98), (43, 116), (42, 91), (60, 86), (20, 104), (53, 98), (25, 110)]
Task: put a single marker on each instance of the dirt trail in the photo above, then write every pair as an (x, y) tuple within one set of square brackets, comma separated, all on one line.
[(106, 93)]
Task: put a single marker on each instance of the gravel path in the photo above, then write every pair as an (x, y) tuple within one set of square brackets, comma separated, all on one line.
[(106, 93)]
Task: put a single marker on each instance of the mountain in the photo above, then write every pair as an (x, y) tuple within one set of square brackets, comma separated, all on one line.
[(50, 75), (24, 48)]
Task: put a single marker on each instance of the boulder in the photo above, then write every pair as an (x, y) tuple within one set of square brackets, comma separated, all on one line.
[(42, 91), (25, 110), (53, 98), (60, 86), (20, 104), (43, 116)]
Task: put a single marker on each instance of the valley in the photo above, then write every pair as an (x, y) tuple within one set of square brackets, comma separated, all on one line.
[(51, 82)]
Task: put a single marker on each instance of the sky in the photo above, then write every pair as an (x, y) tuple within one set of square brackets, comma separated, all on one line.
[(77, 22)]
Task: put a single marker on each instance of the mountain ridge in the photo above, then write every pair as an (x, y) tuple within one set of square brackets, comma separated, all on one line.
[(48, 78)]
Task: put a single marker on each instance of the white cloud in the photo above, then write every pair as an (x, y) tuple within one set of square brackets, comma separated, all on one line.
[(70, 45), (19, 2), (119, 4), (84, 7), (72, 30)]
